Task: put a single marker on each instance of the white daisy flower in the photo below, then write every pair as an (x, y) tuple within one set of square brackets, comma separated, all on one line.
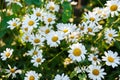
[(82, 69), (26, 37), (54, 38), (77, 52), (6, 54), (15, 22), (110, 34), (34, 51), (113, 7), (52, 6), (44, 30), (37, 60), (91, 29), (13, 71), (31, 75), (102, 12), (81, 28), (9, 2), (37, 39), (49, 19), (30, 21), (111, 58), (38, 13), (92, 18), (73, 37), (94, 59), (66, 28), (61, 77), (26, 29), (95, 72)]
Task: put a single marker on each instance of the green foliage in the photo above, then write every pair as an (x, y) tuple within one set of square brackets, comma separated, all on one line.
[(67, 11)]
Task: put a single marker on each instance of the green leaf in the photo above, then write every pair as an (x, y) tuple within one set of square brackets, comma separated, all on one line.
[(67, 11), (73, 74), (28, 2), (35, 2), (15, 8), (3, 25), (117, 44), (82, 77)]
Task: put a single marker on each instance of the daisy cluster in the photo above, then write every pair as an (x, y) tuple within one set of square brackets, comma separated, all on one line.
[(46, 38)]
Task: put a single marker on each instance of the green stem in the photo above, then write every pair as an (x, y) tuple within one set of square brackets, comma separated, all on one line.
[(57, 55), (115, 22), (100, 3)]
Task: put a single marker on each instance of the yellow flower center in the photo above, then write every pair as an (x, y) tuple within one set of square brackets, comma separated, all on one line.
[(14, 24), (49, 19), (72, 36), (54, 38), (38, 60), (35, 53), (26, 29), (31, 23), (77, 52), (96, 72), (47, 31), (12, 70), (7, 54), (89, 29), (38, 14), (110, 35), (94, 58), (114, 7), (65, 30), (110, 59), (92, 19), (27, 37), (36, 40), (51, 7), (31, 78), (82, 28)]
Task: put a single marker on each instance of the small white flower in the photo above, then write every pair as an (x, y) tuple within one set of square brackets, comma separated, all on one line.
[(31, 75), (110, 34), (92, 18), (73, 37), (26, 37), (66, 28), (37, 60), (38, 13), (54, 38), (6, 54), (95, 72), (9, 2), (13, 71), (94, 59), (61, 77), (15, 22), (77, 52), (37, 39), (49, 19), (91, 29), (30, 21), (82, 69), (113, 7), (111, 58), (44, 30), (34, 51), (52, 6)]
